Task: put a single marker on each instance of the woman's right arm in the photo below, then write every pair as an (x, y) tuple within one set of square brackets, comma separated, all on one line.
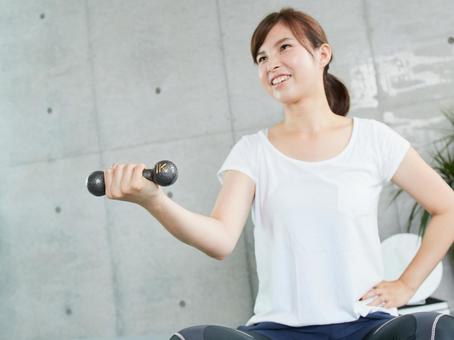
[(215, 235)]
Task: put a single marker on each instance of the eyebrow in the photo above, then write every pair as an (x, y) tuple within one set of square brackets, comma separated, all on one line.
[(277, 43)]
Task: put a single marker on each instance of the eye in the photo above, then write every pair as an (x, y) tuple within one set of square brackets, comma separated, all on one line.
[(260, 59), (285, 45)]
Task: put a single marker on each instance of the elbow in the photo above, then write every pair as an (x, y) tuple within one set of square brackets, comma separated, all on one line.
[(224, 249), (220, 257), (217, 256)]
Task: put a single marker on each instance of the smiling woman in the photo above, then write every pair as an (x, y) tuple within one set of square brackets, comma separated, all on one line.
[(314, 181)]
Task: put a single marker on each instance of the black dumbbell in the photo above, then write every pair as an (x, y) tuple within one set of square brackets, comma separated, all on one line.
[(164, 173)]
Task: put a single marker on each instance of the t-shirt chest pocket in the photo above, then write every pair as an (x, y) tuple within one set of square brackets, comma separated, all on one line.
[(354, 196)]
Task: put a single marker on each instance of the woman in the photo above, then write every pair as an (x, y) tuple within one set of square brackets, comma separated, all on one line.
[(313, 181)]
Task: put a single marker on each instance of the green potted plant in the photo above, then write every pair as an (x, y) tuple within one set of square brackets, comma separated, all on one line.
[(443, 160)]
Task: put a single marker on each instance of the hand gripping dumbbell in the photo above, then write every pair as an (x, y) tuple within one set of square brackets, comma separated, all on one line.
[(164, 173)]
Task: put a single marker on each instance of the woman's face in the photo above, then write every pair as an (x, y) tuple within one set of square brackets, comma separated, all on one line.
[(302, 74)]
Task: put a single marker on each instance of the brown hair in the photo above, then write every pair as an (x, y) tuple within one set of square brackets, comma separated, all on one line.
[(308, 31)]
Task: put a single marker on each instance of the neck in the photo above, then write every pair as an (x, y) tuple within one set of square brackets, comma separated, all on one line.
[(311, 116)]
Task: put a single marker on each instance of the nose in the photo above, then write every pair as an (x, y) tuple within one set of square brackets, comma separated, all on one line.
[(273, 63)]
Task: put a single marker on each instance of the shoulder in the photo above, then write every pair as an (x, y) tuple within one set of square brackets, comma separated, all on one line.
[(252, 139), (377, 134), (367, 122), (382, 136), (373, 127), (374, 123)]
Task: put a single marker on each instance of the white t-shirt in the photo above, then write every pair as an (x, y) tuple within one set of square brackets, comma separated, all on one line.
[(317, 246)]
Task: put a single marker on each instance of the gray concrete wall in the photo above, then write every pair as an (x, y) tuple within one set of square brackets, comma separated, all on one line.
[(89, 83)]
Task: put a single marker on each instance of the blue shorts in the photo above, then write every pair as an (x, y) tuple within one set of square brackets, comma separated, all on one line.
[(352, 330)]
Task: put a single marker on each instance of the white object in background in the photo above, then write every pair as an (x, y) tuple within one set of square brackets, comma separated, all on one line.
[(397, 252)]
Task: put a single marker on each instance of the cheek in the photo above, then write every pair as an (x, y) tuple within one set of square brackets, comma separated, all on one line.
[(262, 76), (300, 65), (264, 83)]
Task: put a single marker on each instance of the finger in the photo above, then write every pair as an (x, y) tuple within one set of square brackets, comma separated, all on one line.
[(375, 302), (126, 178), (378, 301), (137, 176), (116, 179), (108, 181), (369, 294), (374, 292)]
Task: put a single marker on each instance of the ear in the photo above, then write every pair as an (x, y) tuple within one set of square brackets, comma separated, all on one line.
[(324, 52)]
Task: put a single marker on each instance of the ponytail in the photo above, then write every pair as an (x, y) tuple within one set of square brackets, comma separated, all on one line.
[(336, 94)]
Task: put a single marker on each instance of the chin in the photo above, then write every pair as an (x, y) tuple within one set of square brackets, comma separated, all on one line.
[(286, 98)]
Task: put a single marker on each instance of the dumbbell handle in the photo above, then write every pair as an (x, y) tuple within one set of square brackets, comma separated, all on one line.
[(164, 173)]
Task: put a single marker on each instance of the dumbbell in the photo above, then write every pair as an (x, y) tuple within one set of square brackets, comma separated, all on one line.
[(164, 173)]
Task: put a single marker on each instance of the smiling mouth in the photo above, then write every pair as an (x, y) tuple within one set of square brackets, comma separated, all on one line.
[(280, 80)]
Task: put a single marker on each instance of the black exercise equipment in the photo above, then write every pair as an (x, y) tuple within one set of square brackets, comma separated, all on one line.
[(164, 173)]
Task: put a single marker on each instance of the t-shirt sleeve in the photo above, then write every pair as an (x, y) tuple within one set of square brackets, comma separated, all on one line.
[(392, 148), (241, 158)]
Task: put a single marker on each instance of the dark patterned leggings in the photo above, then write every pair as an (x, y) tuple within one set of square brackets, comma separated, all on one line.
[(415, 326)]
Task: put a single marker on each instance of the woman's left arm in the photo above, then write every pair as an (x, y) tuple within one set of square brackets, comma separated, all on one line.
[(429, 189)]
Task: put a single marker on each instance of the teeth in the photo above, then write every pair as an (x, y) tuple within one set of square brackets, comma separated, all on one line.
[(279, 80)]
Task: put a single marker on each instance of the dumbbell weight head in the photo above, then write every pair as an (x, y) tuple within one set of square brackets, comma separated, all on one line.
[(164, 173), (95, 183)]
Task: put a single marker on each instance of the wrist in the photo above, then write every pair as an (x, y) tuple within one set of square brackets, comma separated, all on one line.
[(409, 286), (153, 201)]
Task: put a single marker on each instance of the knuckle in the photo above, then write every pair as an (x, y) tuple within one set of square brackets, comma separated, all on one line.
[(136, 186), (115, 195), (125, 189)]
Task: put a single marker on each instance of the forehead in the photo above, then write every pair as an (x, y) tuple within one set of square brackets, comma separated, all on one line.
[(279, 31)]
